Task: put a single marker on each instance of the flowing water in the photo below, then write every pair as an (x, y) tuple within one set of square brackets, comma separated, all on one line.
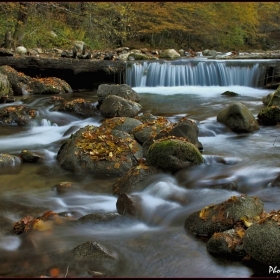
[(157, 244)]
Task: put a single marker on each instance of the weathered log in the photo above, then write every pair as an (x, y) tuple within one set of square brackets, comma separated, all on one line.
[(85, 73)]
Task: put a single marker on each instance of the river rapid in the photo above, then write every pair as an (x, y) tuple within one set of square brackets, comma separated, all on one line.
[(157, 245)]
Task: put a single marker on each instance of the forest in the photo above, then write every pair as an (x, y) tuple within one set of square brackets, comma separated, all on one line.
[(107, 25)]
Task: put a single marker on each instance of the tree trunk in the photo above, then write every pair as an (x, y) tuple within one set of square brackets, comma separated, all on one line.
[(21, 21), (8, 40)]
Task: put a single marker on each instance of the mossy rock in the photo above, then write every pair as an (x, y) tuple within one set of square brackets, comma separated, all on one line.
[(172, 154), (275, 98), (4, 85), (269, 115), (261, 240), (221, 217)]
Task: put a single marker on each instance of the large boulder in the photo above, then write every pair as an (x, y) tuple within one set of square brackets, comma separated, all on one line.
[(116, 106), (169, 53), (238, 118), (17, 115), (221, 217), (99, 151), (171, 154), (269, 115), (123, 90), (261, 240)]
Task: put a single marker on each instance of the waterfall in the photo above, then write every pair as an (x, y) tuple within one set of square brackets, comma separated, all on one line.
[(195, 73)]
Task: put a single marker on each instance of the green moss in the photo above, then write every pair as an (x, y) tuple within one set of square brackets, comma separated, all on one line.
[(173, 154)]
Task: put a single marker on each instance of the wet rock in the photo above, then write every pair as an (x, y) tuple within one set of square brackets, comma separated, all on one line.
[(121, 123), (276, 182), (56, 102), (9, 163), (188, 129), (221, 217), (230, 93), (65, 187), (225, 186), (115, 106), (171, 154), (123, 90), (89, 251), (266, 99), (28, 156), (169, 53), (272, 99), (147, 117), (269, 115), (150, 130), (129, 204), (129, 182), (261, 240), (228, 242), (238, 118), (41, 223), (7, 99), (16, 115), (17, 79), (51, 85), (98, 217), (99, 151), (80, 107)]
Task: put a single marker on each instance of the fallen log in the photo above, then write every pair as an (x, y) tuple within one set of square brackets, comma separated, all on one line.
[(80, 74)]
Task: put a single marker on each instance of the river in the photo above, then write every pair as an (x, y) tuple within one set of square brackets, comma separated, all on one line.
[(157, 245)]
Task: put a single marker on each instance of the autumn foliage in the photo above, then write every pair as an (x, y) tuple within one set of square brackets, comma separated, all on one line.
[(194, 25)]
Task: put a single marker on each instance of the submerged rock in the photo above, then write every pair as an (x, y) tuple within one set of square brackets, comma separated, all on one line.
[(129, 204), (172, 154), (9, 163), (222, 216), (89, 251), (98, 217), (238, 118), (28, 156), (129, 182)]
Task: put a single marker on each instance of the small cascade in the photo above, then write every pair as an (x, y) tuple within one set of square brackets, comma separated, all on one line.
[(45, 122), (195, 73)]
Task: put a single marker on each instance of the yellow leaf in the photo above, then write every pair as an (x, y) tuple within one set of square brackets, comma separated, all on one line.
[(240, 233), (42, 226), (110, 154), (117, 165)]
